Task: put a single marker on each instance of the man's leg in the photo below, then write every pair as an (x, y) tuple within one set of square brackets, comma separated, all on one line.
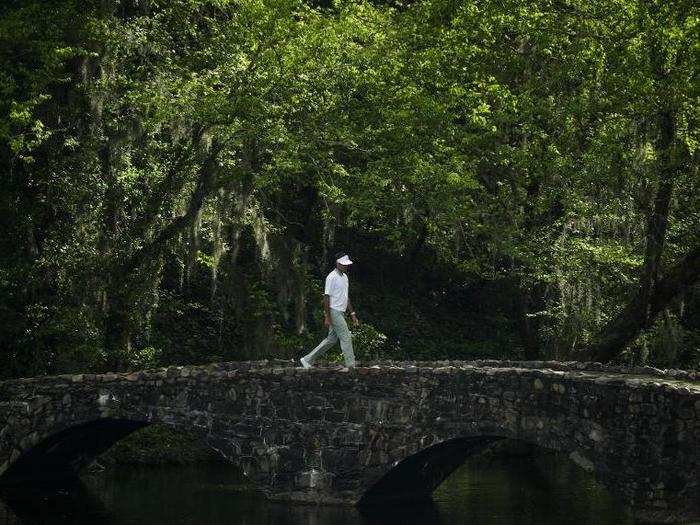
[(343, 333), (323, 347)]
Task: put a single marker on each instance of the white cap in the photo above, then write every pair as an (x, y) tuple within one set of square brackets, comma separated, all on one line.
[(344, 260)]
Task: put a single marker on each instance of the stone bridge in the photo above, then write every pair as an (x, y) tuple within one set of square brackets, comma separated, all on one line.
[(391, 431)]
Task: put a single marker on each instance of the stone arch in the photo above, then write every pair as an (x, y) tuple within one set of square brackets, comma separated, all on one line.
[(421, 469), (417, 476), (63, 453), (62, 446), (60, 452)]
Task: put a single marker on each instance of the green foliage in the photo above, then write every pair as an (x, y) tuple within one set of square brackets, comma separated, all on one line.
[(667, 343), (146, 357), (177, 175), (369, 343)]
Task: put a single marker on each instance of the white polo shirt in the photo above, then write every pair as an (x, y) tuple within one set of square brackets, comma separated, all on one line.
[(337, 290)]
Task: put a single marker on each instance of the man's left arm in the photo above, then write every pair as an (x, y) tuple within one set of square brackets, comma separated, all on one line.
[(353, 315)]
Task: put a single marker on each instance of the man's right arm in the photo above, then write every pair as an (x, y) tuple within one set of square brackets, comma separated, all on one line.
[(327, 310), (327, 289)]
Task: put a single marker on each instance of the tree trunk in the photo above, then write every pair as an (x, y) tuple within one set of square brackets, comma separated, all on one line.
[(641, 311), (300, 278), (117, 329), (527, 331)]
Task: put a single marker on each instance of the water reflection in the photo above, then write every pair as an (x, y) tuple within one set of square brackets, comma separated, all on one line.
[(71, 502), (546, 489), (543, 490)]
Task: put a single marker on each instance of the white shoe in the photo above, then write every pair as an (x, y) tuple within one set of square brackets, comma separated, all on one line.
[(304, 363)]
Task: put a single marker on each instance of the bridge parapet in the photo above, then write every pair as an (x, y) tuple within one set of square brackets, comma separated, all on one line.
[(379, 432)]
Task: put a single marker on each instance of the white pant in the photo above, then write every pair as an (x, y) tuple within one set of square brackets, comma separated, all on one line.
[(337, 331)]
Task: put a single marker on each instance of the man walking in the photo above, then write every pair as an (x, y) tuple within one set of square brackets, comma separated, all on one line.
[(336, 301)]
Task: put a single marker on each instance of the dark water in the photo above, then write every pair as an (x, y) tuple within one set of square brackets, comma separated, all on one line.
[(543, 490)]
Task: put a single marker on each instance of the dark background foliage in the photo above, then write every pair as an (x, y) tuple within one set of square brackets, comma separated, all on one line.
[(513, 179)]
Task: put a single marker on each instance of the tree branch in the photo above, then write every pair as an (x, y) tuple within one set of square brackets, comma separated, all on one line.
[(206, 183)]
